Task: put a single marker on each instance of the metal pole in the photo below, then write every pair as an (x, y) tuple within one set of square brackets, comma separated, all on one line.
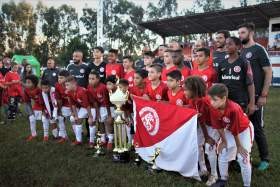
[(100, 23)]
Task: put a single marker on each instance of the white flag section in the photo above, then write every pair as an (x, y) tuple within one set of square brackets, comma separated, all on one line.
[(175, 135)]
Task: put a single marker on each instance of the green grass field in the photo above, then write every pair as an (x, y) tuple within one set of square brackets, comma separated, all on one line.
[(51, 164)]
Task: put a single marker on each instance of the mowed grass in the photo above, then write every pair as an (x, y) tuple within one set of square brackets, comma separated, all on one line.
[(51, 164)]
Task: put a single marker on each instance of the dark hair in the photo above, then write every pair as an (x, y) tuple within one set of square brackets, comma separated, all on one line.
[(123, 82), (112, 78), (99, 48), (175, 74), (128, 57), (205, 50), (78, 51), (157, 67), (115, 51), (24, 69), (142, 73), (50, 58), (70, 79), (220, 90), (93, 72), (225, 33), (33, 79), (64, 73), (250, 26), (45, 82), (236, 40), (150, 54), (163, 45), (196, 85)]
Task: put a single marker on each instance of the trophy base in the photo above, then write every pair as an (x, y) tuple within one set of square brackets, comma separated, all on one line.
[(123, 157), (154, 169)]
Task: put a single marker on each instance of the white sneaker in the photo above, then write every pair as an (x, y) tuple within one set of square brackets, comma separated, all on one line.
[(203, 173), (211, 180)]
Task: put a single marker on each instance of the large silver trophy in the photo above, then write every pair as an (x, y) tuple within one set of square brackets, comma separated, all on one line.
[(120, 152)]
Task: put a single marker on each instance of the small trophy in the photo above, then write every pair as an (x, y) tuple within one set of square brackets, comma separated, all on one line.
[(120, 152), (98, 148), (153, 160)]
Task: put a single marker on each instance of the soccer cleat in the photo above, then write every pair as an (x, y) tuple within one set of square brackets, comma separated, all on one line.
[(211, 180), (61, 140), (30, 138), (110, 146), (76, 143), (46, 139), (263, 166)]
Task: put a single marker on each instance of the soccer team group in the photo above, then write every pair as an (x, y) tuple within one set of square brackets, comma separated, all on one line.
[(228, 88)]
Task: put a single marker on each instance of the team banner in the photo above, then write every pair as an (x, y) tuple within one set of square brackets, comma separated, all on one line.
[(169, 130)]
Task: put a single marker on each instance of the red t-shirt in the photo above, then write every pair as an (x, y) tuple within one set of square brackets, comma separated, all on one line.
[(35, 95), (129, 76), (99, 94), (177, 99), (185, 73), (157, 94), (79, 97), (137, 91), (201, 105), (209, 75), (114, 69), (60, 94), (165, 72), (233, 118), (13, 89)]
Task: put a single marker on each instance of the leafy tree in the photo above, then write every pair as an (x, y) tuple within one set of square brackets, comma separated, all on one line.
[(89, 20)]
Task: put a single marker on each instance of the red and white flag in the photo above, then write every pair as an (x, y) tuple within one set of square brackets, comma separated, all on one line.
[(170, 128)]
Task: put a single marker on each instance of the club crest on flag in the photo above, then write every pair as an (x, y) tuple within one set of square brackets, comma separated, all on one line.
[(150, 120)]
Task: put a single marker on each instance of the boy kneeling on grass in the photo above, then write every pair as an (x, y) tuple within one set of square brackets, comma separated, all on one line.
[(236, 133)]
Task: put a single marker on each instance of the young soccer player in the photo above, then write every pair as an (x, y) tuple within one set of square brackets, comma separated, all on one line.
[(156, 90), (49, 115), (80, 107), (237, 75), (195, 90), (128, 69), (99, 99), (149, 59), (64, 108), (139, 86), (98, 91), (14, 90), (236, 133), (169, 65), (33, 94), (206, 72), (175, 92), (113, 67)]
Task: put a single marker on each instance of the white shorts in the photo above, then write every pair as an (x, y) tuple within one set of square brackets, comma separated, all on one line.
[(246, 139), (66, 111), (104, 114), (82, 113), (38, 114), (93, 113), (214, 134)]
